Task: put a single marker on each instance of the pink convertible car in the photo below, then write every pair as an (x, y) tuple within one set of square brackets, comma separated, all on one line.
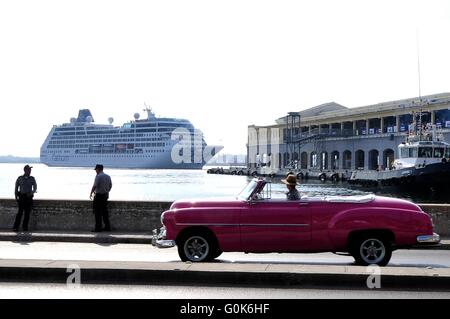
[(366, 227)]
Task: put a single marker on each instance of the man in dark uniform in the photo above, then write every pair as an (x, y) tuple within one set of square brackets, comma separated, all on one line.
[(100, 190), (24, 191)]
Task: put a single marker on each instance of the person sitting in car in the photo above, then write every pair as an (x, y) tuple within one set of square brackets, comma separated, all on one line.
[(291, 183)]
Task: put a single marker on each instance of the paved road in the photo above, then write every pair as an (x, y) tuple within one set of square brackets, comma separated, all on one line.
[(135, 252), (147, 253), (60, 291)]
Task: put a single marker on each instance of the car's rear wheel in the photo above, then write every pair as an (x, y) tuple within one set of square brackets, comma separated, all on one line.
[(197, 248), (372, 250)]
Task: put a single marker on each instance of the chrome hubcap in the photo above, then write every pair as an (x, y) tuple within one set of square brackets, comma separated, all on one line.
[(196, 248), (372, 251)]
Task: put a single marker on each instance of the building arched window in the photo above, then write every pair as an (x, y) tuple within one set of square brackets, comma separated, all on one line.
[(347, 160), (388, 158), (335, 160), (374, 159), (304, 160), (359, 159), (313, 160), (324, 160)]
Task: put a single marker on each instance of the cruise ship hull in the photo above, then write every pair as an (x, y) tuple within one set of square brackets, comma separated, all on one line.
[(118, 162), (162, 161)]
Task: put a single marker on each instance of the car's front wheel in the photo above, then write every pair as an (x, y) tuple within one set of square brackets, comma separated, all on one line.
[(197, 248), (372, 250)]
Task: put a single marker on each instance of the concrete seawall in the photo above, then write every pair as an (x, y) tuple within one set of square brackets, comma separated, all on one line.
[(441, 217), (133, 216), (70, 215)]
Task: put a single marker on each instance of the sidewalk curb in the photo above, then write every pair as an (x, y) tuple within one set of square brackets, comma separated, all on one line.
[(82, 237), (123, 238), (218, 274)]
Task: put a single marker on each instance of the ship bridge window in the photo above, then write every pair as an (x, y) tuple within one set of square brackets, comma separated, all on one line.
[(60, 129), (101, 132), (412, 152), (425, 151), (447, 152), (146, 125), (406, 152), (438, 152)]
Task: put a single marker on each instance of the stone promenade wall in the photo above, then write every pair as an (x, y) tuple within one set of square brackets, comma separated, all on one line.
[(70, 215)]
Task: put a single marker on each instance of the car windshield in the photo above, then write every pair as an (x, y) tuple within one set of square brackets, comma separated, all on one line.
[(247, 191), (257, 189)]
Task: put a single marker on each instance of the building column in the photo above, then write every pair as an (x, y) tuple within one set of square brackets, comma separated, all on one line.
[(307, 159), (366, 160), (397, 123), (257, 147), (433, 117), (382, 125), (353, 160), (367, 127), (354, 128), (248, 154)]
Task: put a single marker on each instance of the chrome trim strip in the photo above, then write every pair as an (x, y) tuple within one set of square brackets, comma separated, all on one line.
[(245, 225), (277, 225), (163, 243), (429, 239), (204, 224)]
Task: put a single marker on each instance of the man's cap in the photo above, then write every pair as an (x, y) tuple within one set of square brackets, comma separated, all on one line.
[(98, 166), (290, 180), (27, 167)]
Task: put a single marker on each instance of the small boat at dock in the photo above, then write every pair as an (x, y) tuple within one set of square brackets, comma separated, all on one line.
[(424, 161)]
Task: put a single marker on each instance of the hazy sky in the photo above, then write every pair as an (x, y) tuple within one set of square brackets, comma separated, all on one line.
[(221, 64)]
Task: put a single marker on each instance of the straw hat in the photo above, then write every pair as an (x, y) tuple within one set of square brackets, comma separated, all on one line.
[(290, 180)]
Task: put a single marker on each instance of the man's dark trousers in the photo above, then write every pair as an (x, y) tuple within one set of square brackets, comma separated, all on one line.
[(101, 212), (25, 205)]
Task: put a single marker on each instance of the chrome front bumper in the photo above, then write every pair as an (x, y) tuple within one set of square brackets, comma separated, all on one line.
[(429, 239), (159, 239)]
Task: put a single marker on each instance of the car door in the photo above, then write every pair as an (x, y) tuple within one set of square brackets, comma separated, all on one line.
[(275, 226)]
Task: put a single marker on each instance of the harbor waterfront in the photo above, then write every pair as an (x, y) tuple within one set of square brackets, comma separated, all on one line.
[(170, 185), (370, 145)]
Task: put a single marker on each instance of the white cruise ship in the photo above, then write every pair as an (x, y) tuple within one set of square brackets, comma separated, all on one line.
[(154, 143)]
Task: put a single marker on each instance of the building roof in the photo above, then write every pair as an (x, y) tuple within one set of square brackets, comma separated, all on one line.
[(334, 110), (322, 109)]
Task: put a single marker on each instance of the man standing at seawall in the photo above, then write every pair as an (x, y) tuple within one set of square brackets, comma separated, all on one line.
[(24, 191), (101, 188)]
